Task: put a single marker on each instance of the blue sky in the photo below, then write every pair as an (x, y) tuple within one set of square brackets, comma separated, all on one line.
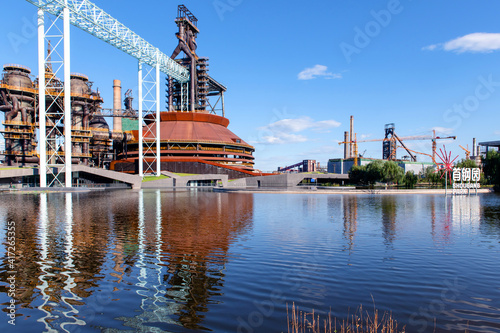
[(296, 71)]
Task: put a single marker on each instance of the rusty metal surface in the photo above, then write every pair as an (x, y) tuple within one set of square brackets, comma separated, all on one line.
[(191, 167), (195, 127)]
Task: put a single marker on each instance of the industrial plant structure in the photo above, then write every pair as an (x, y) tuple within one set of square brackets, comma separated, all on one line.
[(193, 138), (92, 140)]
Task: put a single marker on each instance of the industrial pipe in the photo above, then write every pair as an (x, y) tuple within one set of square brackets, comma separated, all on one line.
[(170, 94), (85, 125), (33, 159)]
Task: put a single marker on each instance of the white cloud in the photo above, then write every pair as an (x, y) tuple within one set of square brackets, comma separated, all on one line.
[(430, 47), (480, 42), (443, 130), (318, 70), (323, 150), (301, 124), (281, 138), (281, 131)]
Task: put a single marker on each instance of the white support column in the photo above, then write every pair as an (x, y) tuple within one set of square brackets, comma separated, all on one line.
[(67, 97), (223, 106), (158, 147), (42, 169), (141, 171)]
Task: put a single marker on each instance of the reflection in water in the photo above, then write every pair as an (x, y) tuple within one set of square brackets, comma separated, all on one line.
[(389, 216), (460, 213), (491, 218), (350, 216), (82, 255), (465, 210), (45, 265), (151, 261), (196, 244), (441, 224), (57, 273), (69, 272)]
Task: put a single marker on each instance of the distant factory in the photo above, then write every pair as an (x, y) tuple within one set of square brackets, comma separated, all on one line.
[(390, 143)]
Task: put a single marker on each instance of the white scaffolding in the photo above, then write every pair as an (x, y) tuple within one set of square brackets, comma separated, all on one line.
[(90, 18), (54, 118), (149, 112)]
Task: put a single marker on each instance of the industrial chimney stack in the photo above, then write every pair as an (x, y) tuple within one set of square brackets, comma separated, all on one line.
[(117, 105)]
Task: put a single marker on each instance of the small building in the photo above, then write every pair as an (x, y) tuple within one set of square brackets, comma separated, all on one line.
[(342, 166)]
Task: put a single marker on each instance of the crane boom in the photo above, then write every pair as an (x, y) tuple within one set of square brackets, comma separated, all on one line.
[(467, 152), (413, 157)]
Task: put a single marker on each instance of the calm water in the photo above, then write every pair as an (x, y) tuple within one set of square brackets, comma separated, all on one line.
[(186, 261)]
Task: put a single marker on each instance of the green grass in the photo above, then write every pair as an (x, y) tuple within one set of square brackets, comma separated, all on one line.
[(150, 178), (184, 174), (314, 173), (16, 168)]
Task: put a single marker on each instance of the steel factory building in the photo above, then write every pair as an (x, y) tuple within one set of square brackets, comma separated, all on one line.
[(193, 131)]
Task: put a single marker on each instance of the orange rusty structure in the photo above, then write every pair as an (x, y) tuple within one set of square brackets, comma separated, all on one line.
[(193, 138), (194, 142)]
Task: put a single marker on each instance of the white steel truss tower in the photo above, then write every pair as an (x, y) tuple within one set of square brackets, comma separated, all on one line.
[(90, 18), (54, 118), (149, 110)]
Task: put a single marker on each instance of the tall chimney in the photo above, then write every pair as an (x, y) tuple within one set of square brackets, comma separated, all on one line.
[(117, 105), (346, 138), (474, 149), (351, 145)]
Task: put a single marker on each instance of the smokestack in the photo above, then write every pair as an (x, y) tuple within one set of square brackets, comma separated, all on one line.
[(346, 138), (117, 105), (351, 145), (474, 149)]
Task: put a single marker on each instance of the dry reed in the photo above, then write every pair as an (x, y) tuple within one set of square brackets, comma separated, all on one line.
[(359, 322)]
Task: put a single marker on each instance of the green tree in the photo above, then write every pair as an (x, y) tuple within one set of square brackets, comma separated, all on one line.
[(374, 172), (392, 173), (491, 168), (466, 164), (410, 179), (357, 174), (433, 177), (428, 174)]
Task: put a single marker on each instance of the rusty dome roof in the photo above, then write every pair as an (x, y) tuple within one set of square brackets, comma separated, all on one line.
[(195, 126)]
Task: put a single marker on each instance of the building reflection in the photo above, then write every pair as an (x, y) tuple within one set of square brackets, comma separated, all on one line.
[(196, 244), (466, 211), (350, 219), (490, 224), (389, 216), (182, 254), (171, 247)]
